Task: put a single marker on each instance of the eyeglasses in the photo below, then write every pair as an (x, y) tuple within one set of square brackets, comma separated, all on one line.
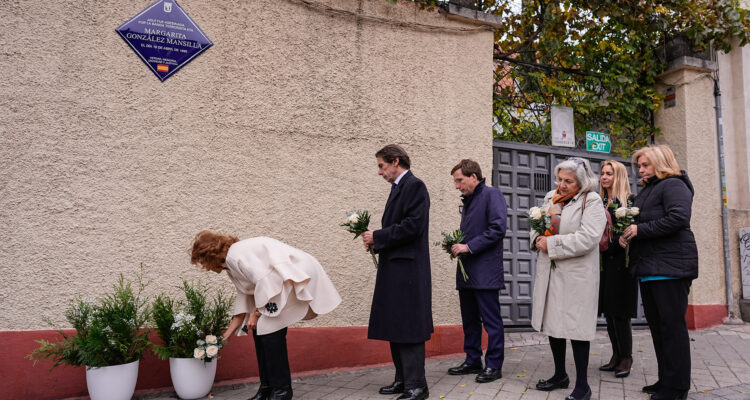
[(579, 161)]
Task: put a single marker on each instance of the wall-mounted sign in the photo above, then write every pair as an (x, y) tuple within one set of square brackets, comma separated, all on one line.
[(164, 37), (563, 133), (670, 97), (598, 142)]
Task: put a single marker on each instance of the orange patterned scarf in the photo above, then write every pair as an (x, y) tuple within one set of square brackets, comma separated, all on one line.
[(555, 210)]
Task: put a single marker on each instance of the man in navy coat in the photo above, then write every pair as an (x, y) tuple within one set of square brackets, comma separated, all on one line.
[(402, 302), (483, 221)]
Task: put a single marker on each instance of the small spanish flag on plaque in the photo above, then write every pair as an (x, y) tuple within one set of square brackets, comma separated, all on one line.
[(162, 67)]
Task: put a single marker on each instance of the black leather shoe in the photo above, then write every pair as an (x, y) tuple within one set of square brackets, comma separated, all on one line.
[(415, 394), (263, 393), (284, 393), (549, 384), (610, 366), (586, 396), (393, 388), (651, 389), (622, 370), (489, 375), (667, 394), (465, 369)]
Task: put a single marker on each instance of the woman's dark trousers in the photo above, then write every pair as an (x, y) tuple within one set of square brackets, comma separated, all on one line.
[(620, 335), (665, 304), (273, 359)]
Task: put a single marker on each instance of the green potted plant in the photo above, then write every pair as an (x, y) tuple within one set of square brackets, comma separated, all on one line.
[(191, 334), (109, 341)]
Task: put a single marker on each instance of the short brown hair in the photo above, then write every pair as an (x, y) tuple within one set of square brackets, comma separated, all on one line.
[(210, 249), (468, 167), (391, 152)]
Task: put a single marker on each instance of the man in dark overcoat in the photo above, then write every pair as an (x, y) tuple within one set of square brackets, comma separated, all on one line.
[(483, 222), (402, 303)]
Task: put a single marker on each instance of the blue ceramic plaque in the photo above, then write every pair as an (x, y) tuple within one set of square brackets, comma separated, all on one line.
[(164, 37)]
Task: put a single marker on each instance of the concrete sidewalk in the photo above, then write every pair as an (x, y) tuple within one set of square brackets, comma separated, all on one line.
[(720, 370)]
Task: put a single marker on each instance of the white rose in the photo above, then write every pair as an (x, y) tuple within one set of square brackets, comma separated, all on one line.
[(621, 212), (199, 353), (535, 212), (211, 351), (354, 218), (635, 211), (211, 339)]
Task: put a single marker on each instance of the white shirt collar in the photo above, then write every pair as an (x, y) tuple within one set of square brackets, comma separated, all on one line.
[(399, 177)]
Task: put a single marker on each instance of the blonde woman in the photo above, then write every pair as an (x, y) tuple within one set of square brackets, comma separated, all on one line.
[(618, 289), (566, 296), (664, 257)]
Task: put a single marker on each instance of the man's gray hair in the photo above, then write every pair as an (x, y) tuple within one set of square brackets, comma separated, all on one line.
[(582, 170)]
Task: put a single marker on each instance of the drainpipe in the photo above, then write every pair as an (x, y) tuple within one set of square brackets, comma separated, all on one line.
[(731, 318)]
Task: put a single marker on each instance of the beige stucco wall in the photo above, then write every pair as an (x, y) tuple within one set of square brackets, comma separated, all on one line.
[(270, 132), (689, 129), (734, 78)]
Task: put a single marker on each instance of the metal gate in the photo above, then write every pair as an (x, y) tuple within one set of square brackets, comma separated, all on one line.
[(524, 172)]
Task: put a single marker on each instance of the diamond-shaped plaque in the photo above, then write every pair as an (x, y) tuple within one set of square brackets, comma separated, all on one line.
[(164, 37)]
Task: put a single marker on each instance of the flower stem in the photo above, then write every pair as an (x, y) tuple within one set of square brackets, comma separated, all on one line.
[(374, 260), (463, 271), (627, 256)]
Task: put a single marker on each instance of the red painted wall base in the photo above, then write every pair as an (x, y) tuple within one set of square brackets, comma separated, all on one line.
[(704, 316), (309, 349)]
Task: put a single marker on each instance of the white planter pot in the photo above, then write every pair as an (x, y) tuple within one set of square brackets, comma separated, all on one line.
[(192, 378), (116, 382)]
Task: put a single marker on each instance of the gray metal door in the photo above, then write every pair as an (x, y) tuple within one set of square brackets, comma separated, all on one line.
[(524, 172)]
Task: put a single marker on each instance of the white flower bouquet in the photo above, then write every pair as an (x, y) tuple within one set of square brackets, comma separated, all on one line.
[(208, 348), (358, 222), (624, 217), (191, 328), (541, 222)]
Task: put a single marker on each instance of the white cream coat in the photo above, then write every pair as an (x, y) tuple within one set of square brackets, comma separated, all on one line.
[(565, 299), (265, 270)]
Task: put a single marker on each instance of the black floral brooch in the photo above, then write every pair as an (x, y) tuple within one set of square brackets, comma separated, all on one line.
[(271, 308)]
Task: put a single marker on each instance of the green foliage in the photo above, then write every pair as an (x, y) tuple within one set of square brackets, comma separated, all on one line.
[(600, 57), (182, 324), (108, 332), (449, 239)]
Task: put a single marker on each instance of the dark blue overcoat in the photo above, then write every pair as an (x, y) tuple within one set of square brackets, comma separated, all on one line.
[(402, 302), (483, 222)]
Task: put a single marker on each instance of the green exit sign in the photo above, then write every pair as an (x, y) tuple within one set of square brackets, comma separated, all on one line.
[(598, 142)]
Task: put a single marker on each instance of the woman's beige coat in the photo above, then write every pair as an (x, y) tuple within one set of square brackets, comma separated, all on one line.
[(290, 283), (565, 299)]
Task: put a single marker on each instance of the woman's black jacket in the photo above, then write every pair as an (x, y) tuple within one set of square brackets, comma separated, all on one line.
[(665, 245)]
